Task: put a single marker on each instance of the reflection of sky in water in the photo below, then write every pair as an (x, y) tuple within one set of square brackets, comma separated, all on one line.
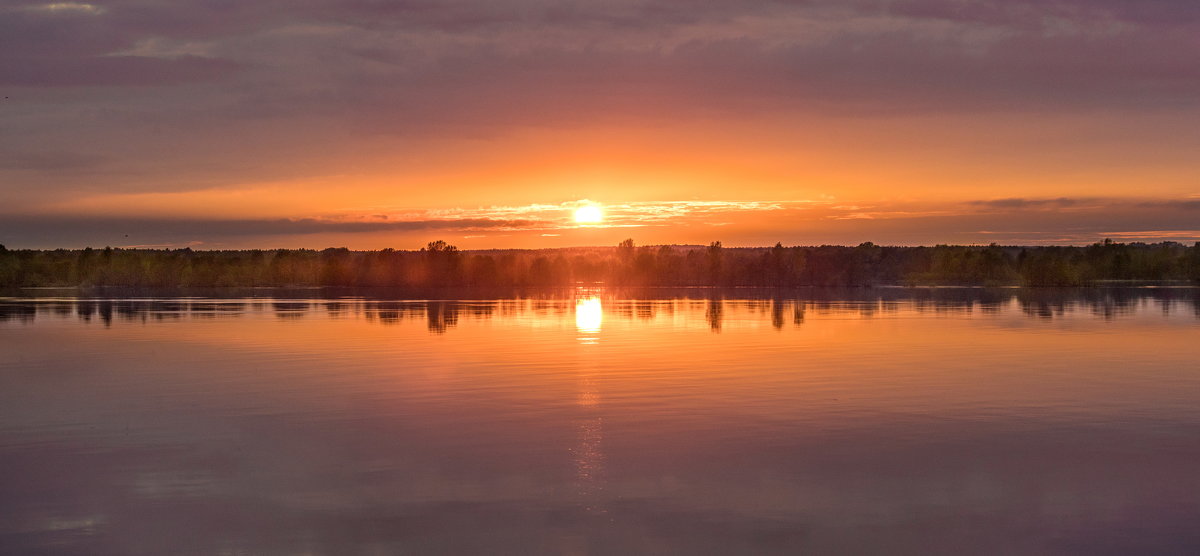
[(1019, 422)]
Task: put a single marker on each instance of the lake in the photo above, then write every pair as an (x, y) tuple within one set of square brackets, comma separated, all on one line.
[(594, 421)]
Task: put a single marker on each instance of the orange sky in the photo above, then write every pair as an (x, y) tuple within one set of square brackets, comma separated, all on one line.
[(338, 123)]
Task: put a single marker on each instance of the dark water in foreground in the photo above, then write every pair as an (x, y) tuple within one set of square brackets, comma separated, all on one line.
[(601, 422)]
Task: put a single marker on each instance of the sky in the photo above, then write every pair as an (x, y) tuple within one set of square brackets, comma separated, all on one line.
[(219, 124)]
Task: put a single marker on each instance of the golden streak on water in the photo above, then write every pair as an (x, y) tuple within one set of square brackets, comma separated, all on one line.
[(588, 451)]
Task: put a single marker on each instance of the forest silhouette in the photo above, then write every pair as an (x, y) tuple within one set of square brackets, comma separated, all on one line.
[(440, 264)]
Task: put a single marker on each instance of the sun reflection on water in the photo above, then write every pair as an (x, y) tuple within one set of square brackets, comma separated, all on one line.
[(588, 316)]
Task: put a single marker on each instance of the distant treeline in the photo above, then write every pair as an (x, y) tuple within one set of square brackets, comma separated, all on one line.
[(440, 264)]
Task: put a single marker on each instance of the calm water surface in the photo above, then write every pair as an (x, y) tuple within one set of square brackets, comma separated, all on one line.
[(603, 422)]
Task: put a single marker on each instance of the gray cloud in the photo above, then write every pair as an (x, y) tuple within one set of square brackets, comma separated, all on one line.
[(1010, 221), (49, 161), (47, 231), (1021, 203), (1001, 54), (204, 93), (1190, 204), (1082, 222), (111, 70)]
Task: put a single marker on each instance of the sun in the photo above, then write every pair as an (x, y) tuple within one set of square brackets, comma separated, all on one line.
[(589, 214)]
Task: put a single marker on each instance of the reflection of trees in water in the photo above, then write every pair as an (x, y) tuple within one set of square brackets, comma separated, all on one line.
[(1106, 304), (389, 313), (441, 315), (777, 307), (779, 310), (85, 310), (335, 309), (772, 306), (105, 310), (1044, 310), (991, 307), (714, 313), (18, 312), (108, 311), (290, 310), (549, 307)]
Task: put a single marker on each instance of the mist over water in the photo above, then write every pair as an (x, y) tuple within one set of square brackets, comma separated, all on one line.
[(599, 421)]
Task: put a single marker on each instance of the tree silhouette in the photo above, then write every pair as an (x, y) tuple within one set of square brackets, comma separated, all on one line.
[(716, 259), (441, 264), (625, 250)]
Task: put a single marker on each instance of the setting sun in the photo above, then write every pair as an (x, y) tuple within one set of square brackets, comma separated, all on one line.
[(589, 214)]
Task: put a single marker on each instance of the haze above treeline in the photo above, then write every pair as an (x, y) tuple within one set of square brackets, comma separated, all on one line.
[(441, 264)]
